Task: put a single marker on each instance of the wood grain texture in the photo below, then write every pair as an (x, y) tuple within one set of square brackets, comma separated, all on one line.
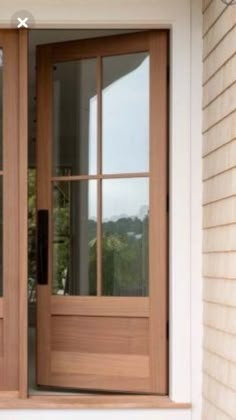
[(101, 382), (75, 50), (102, 306), (23, 213), (99, 366), (1, 308), (158, 211), (94, 401), (99, 172), (112, 365), (1, 339), (9, 376), (223, 23), (44, 136), (219, 211), (105, 334), (219, 56)]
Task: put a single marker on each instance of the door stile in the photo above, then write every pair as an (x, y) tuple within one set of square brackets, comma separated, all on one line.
[(158, 214), (23, 213), (10, 375), (43, 182), (99, 171)]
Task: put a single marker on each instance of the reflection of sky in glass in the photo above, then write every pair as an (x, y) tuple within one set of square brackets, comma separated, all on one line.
[(126, 118), (125, 197), (125, 142), (121, 197)]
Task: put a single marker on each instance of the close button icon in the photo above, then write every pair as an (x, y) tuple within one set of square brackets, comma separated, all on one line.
[(22, 22), (22, 19)]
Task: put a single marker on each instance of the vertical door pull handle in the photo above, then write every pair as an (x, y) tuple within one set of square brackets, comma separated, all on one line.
[(42, 247)]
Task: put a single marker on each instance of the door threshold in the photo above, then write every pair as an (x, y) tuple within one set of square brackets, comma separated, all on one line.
[(11, 400)]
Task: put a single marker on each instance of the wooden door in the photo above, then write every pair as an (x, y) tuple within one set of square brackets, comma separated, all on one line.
[(101, 199), (9, 210)]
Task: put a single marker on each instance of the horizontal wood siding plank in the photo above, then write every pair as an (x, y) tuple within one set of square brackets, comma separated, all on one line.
[(220, 108), (210, 411), (221, 291), (220, 213), (220, 134), (220, 265), (221, 27), (219, 187), (220, 160), (220, 369), (223, 397), (220, 343), (205, 4), (212, 14), (222, 53), (220, 317), (221, 81), (221, 238)]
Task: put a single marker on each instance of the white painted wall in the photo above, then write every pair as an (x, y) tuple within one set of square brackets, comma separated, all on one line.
[(183, 17)]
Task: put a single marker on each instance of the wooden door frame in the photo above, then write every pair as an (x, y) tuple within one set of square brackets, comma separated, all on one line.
[(156, 43), (23, 213), (23, 206), (14, 211)]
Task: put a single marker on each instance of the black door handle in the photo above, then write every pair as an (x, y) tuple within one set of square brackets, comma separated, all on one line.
[(42, 247)]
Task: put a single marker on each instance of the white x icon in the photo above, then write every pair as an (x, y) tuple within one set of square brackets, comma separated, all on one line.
[(22, 22)]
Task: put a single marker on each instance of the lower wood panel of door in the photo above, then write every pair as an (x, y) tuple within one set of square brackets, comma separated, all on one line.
[(87, 351)]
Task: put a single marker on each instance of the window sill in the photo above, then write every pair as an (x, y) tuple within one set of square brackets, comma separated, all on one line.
[(10, 400)]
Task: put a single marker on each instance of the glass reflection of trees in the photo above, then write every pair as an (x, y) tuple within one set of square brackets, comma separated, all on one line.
[(124, 249)]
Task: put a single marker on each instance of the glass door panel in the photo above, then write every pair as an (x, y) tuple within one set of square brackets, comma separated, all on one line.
[(125, 113), (125, 237), (74, 238), (75, 117), (100, 240), (1, 105)]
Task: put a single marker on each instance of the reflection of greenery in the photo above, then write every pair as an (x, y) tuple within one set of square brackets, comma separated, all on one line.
[(124, 248), (61, 219), (125, 257), (31, 232)]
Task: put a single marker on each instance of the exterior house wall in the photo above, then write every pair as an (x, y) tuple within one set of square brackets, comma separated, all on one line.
[(219, 210)]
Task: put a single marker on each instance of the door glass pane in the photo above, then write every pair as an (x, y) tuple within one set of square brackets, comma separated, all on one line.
[(1, 105), (74, 238), (125, 113), (125, 237), (75, 117), (32, 236), (1, 237)]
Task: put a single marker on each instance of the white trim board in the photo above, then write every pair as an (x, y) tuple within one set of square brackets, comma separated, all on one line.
[(96, 414)]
